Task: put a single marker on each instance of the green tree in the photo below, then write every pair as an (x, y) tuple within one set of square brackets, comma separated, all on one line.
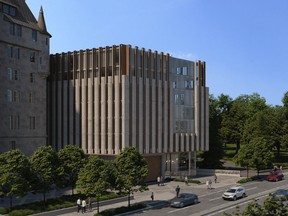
[(131, 171), (212, 158), (93, 179), (14, 174), (242, 156), (242, 109), (46, 169), (72, 159)]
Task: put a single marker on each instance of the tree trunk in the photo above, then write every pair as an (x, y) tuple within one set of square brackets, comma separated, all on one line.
[(247, 169), (237, 146), (44, 198)]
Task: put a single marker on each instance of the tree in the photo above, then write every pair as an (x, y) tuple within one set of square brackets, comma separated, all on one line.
[(242, 109), (131, 171), (93, 178), (212, 158), (46, 169), (256, 154), (72, 159), (14, 174)]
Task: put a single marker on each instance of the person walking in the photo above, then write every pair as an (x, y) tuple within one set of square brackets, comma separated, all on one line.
[(186, 180), (177, 191), (158, 180), (152, 196), (215, 178), (83, 206), (78, 205)]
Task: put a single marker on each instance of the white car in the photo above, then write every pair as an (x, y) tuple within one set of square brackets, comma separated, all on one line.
[(234, 193)]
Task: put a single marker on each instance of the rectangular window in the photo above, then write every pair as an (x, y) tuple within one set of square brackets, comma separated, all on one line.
[(19, 30), (16, 75), (14, 122), (185, 71), (30, 97), (32, 57), (179, 99), (31, 78), (10, 74), (34, 35), (11, 52), (189, 84), (32, 121), (174, 85), (18, 53), (16, 96), (9, 95), (12, 28)]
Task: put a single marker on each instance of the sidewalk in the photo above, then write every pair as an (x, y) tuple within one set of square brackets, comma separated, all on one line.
[(162, 193)]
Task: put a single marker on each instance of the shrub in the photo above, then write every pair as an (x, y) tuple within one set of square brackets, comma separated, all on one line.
[(189, 181), (4, 210), (253, 178), (21, 212)]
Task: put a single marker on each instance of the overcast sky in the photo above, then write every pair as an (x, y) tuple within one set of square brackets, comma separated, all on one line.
[(243, 42)]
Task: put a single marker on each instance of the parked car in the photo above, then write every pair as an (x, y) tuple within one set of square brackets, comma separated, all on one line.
[(184, 199), (280, 193), (234, 193), (275, 176)]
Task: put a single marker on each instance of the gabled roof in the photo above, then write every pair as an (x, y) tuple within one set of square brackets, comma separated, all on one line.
[(25, 17)]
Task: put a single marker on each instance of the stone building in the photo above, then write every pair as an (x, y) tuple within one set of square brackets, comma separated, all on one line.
[(24, 67)]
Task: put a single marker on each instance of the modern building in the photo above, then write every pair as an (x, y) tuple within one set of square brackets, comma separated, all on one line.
[(102, 99), (24, 67), (106, 99)]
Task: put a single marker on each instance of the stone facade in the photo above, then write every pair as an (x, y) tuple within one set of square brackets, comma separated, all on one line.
[(24, 57)]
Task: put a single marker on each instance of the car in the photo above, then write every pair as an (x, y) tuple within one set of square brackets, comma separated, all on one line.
[(275, 176), (280, 193), (184, 199), (234, 193)]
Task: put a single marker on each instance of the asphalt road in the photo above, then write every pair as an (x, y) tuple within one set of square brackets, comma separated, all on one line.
[(212, 204)]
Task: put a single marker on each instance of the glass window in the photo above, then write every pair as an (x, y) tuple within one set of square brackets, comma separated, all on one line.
[(31, 78), (174, 84), (189, 84), (19, 30), (5, 8), (12, 28), (18, 53), (16, 75), (32, 121), (16, 96), (34, 35), (9, 95), (10, 74), (185, 71), (11, 52), (12, 11), (32, 57), (30, 97)]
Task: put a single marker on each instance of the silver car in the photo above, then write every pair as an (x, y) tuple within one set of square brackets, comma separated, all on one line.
[(184, 199), (234, 193)]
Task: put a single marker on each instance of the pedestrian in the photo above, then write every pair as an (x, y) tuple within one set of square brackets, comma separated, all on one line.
[(177, 191), (83, 206), (186, 180), (215, 178), (210, 184), (78, 204), (158, 180), (207, 183), (152, 196)]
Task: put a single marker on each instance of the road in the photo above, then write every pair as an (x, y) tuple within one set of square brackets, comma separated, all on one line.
[(212, 204)]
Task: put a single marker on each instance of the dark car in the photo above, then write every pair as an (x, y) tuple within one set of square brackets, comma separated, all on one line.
[(280, 193), (275, 176), (184, 199)]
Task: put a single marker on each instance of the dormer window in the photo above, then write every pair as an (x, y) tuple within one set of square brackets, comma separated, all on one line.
[(10, 10), (34, 35)]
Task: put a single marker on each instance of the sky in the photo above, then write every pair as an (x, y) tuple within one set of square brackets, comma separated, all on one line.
[(243, 42)]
